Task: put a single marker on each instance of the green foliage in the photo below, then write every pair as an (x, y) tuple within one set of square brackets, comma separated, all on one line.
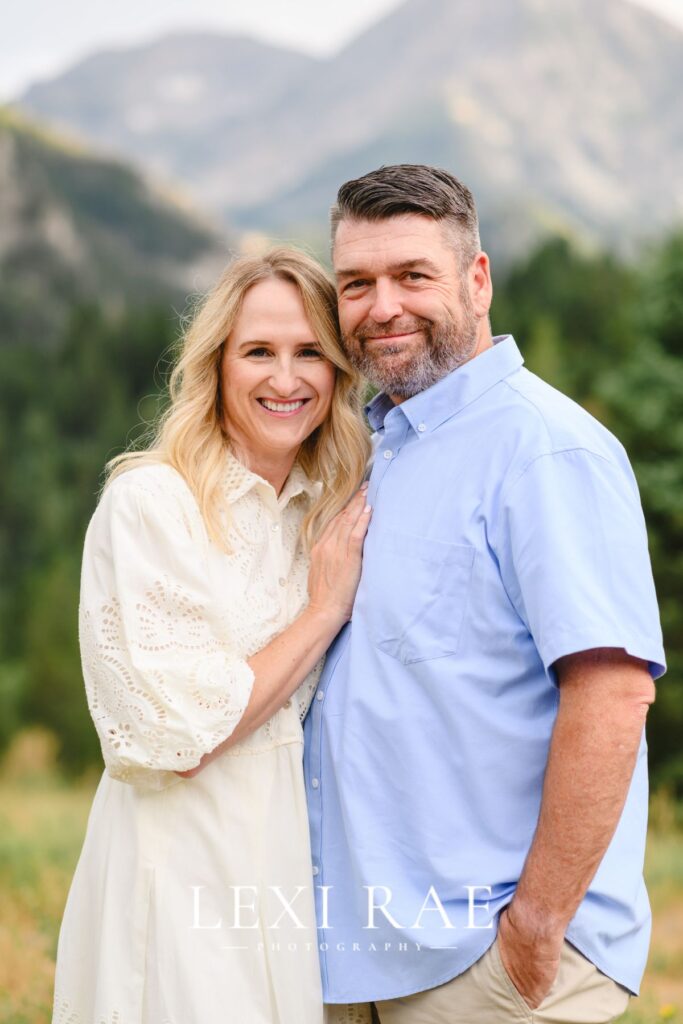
[(611, 336), (64, 413), (54, 691)]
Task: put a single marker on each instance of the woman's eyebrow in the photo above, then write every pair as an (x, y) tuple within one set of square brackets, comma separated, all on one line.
[(248, 344), (313, 343)]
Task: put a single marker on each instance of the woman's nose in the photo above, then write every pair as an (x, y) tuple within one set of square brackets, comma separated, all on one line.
[(284, 379)]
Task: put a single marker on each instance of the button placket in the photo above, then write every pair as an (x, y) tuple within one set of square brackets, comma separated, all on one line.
[(395, 433), (277, 547)]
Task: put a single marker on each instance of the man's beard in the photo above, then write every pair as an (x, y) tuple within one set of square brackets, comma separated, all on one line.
[(406, 369)]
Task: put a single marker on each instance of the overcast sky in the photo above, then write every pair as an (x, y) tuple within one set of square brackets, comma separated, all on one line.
[(41, 37)]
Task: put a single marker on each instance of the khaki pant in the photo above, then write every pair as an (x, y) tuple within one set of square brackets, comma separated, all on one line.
[(358, 1013), (484, 994)]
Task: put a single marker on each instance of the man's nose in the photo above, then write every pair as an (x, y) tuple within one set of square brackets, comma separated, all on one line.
[(386, 302)]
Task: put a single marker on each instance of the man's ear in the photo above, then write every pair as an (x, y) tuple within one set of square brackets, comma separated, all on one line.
[(480, 285)]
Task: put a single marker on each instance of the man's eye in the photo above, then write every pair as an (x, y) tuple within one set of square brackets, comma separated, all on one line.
[(354, 285), (414, 275)]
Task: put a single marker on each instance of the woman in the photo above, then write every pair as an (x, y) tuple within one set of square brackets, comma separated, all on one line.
[(201, 644)]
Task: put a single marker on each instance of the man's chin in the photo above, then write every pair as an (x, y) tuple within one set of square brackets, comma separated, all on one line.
[(385, 352)]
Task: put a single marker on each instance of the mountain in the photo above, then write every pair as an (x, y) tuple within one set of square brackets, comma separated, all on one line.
[(561, 115), (75, 227), (171, 105)]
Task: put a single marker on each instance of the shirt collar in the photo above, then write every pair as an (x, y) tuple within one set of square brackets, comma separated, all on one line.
[(299, 483), (430, 408), (237, 480)]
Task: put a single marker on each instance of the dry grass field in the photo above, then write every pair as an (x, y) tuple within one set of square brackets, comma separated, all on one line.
[(42, 822)]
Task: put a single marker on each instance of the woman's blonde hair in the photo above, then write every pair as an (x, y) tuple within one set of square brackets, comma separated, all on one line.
[(190, 435)]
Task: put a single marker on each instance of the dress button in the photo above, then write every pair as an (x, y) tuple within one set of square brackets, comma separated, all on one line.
[(421, 427), (319, 695), (316, 869), (282, 581), (275, 527), (287, 704), (388, 453), (315, 783)]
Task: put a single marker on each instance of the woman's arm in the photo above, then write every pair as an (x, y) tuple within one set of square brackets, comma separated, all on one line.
[(280, 668)]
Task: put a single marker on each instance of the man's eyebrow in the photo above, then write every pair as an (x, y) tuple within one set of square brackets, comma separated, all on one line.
[(393, 268)]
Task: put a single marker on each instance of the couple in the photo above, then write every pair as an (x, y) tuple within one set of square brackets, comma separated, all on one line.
[(465, 841)]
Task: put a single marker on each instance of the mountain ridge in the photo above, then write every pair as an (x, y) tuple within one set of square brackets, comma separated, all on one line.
[(569, 109), (80, 228)]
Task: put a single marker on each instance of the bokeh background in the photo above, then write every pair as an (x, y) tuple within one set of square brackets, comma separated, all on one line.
[(142, 145)]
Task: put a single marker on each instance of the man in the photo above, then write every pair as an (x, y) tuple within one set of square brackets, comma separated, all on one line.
[(475, 757)]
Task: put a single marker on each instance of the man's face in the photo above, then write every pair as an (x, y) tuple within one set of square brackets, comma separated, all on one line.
[(408, 315)]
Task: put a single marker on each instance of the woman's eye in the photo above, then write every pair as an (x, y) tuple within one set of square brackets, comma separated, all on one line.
[(258, 352), (311, 353)]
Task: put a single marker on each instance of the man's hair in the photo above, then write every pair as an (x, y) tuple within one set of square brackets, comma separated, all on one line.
[(413, 188)]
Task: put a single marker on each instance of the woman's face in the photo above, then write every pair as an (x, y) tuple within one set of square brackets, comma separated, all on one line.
[(277, 386)]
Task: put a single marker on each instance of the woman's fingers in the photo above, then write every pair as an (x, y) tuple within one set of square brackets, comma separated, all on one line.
[(353, 514), (360, 527), (337, 556), (334, 531)]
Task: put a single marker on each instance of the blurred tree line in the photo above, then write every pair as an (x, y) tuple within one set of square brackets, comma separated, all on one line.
[(606, 332)]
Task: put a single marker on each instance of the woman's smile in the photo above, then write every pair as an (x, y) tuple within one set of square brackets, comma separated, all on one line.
[(280, 408)]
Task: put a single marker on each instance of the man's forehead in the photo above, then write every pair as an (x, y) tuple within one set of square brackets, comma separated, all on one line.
[(404, 237)]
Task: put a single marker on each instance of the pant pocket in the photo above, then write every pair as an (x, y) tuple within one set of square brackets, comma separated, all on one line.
[(581, 994), (514, 995)]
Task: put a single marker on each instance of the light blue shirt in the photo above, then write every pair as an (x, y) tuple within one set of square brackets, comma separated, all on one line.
[(506, 532)]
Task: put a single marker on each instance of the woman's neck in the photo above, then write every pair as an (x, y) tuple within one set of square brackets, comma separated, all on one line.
[(273, 467)]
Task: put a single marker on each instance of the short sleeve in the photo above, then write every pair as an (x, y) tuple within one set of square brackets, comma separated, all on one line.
[(164, 686), (572, 548)]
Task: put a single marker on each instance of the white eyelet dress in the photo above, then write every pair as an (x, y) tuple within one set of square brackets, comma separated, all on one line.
[(192, 902)]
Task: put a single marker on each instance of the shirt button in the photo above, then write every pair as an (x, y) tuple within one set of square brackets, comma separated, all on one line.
[(282, 581), (316, 869), (421, 427), (388, 453), (319, 695), (315, 783)]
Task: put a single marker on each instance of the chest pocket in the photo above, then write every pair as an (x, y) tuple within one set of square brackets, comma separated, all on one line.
[(424, 586)]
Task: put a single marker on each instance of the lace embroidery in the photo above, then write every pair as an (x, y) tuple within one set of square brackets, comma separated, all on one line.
[(165, 665), (63, 1013), (358, 1013)]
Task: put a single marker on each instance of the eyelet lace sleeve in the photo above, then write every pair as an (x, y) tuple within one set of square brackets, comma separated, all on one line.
[(164, 686)]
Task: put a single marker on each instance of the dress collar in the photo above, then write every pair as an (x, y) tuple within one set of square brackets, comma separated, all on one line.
[(237, 480)]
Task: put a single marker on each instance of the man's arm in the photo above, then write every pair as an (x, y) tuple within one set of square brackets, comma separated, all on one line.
[(604, 699)]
